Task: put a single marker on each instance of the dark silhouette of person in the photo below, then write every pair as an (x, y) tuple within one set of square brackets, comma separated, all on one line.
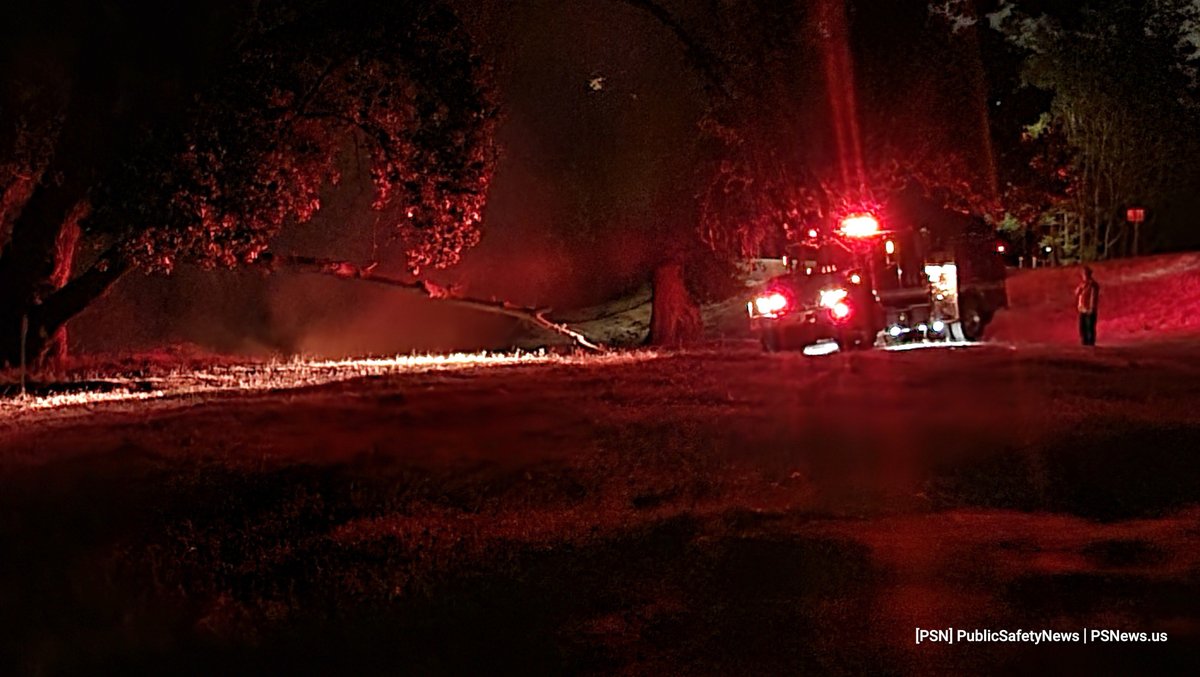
[(1087, 301)]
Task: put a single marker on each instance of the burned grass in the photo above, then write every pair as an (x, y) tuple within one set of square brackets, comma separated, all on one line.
[(697, 513)]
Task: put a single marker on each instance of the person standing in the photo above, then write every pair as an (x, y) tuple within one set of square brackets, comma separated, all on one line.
[(1087, 300)]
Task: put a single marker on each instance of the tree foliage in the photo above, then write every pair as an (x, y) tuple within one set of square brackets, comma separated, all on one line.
[(800, 130), (259, 148), (252, 147), (763, 177), (1122, 122), (795, 134)]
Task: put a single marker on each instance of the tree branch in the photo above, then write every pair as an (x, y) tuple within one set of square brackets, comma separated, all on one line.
[(346, 270), (698, 55), (77, 294)]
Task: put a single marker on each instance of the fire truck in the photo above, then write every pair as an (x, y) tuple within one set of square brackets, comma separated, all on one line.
[(861, 285)]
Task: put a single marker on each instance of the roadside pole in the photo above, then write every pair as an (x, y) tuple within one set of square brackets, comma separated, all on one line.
[(24, 333), (1136, 216)]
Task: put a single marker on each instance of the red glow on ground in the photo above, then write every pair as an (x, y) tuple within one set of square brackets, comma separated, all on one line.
[(1147, 297)]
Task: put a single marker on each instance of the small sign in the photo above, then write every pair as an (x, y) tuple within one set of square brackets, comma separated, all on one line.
[(1135, 215)]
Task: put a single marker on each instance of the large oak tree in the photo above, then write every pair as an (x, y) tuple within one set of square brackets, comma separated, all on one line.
[(141, 151)]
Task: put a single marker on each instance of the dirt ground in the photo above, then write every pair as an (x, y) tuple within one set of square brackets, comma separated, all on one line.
[(712, 512)]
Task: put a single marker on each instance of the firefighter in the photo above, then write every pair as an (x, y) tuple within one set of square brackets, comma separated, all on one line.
[(1087, 300)]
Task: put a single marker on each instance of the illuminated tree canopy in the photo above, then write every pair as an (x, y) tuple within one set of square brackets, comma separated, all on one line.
[(255, 146)]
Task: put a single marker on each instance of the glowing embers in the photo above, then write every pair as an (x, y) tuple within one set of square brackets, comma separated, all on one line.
[(282, 376), (36, 403)]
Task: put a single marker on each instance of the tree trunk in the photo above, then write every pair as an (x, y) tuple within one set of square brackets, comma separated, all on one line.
[(36, 263), (47, 320), (674, 318), (64, 261), (37, 259)]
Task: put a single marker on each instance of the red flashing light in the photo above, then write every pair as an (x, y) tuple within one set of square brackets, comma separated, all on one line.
[(835, 301), (860, 225), (1000, 249)]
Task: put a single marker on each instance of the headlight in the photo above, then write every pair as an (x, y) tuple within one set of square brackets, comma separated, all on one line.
[(834, 300), (832, 297), (770, 304)]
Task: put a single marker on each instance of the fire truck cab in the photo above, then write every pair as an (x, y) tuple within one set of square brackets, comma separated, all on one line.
[(862, 285)]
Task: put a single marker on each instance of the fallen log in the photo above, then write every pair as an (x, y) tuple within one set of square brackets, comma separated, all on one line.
[(347, 270)]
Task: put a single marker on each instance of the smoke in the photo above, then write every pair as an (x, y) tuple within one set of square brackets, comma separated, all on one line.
[(589, 182)]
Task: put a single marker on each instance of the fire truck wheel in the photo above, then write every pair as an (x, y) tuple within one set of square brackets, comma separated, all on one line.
[(853, 341), (971, 319), (770, 340)]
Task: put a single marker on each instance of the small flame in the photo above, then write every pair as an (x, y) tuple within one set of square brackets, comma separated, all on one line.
[(291, 375)]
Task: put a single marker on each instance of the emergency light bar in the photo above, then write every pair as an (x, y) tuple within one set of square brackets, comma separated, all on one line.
[(860, 225)]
